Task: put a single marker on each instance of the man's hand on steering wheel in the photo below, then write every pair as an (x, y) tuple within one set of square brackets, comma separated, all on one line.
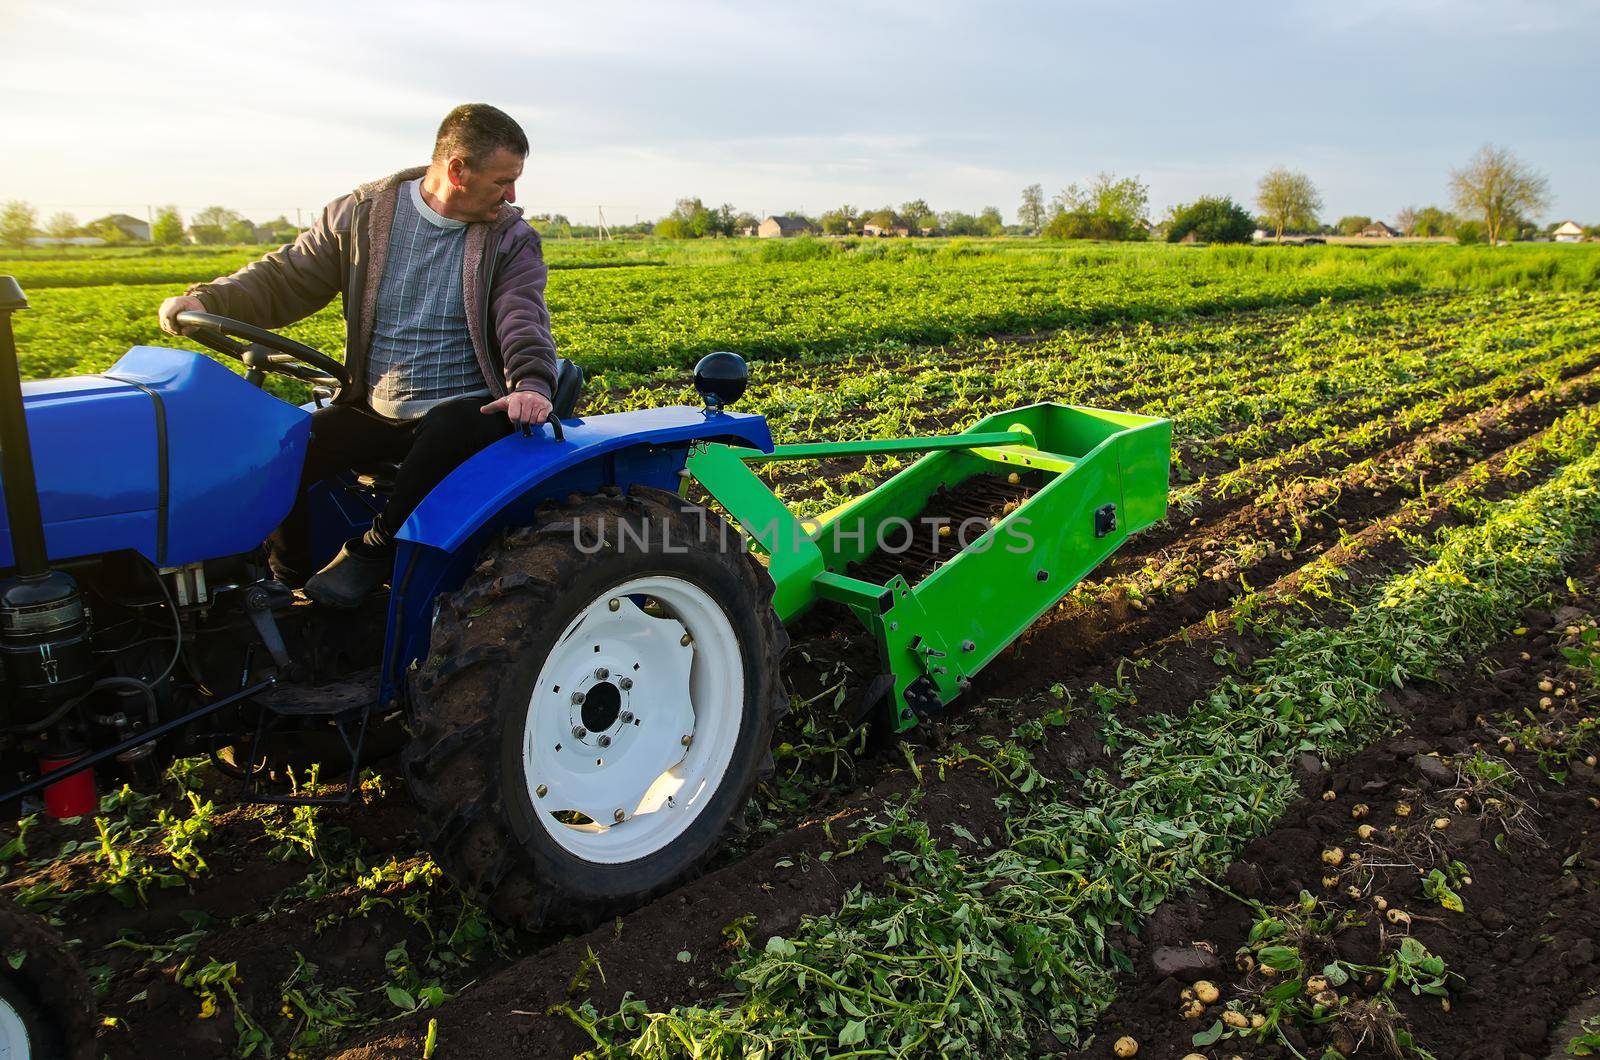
[(168, 314), (260, 350), (527, 408)]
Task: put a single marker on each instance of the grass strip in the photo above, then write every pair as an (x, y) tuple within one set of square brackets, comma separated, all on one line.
[(989, 952)]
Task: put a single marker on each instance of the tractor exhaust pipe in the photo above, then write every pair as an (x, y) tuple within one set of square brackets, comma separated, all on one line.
[(44, 632), (16, 456)]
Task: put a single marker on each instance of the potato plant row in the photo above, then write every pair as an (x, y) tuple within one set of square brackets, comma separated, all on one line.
[(632, 323)]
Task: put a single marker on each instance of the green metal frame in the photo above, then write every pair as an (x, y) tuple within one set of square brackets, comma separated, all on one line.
[(935, 635)]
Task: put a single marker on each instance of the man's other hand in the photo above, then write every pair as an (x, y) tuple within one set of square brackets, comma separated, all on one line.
[(527, 408), (183, 303)]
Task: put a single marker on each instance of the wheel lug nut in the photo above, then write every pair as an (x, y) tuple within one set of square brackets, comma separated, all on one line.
[(685, 640), (579, 732), (542, 790), (601, 673), (618, 816), (626, 683), (626, 717), (686, 740), (613, 603), (577, 697), (604, 741)]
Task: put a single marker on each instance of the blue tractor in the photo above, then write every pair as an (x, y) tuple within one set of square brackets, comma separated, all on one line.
[(583, 668)]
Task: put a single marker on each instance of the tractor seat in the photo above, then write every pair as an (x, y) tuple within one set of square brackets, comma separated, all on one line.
[(379, 475)]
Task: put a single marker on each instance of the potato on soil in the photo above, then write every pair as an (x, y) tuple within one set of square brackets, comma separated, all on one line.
[(1125, 1047), (1235, 1019), (1207, 991)]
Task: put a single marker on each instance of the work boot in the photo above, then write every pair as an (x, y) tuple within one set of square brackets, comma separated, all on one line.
[(351, 577)]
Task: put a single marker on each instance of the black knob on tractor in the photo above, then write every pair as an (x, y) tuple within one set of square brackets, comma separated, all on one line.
[(720, 378)]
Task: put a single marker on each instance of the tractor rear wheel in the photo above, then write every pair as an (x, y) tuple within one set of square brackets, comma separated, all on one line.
[(46, 1007), (596, 707)]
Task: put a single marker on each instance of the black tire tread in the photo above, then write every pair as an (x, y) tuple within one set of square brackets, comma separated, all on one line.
[(50, 983)]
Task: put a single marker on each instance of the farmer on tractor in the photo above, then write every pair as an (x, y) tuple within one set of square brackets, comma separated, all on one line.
[(447, 336)]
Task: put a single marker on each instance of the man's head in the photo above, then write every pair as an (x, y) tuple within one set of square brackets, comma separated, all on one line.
[(477, 160)]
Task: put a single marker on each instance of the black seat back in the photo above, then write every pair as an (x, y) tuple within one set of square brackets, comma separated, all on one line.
[(568, 388)]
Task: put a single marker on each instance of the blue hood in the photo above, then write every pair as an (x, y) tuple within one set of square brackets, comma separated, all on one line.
[(167, 453)]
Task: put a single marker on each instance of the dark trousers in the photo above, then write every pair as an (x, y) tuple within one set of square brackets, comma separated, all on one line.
[(345, 437)]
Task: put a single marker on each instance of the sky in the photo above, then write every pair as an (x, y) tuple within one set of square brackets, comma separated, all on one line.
[(631, 104)]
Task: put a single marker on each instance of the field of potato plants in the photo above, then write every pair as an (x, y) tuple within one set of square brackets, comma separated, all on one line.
[(1307, 770)]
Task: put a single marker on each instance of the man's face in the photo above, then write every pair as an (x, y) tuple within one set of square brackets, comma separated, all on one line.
[(479, 190)]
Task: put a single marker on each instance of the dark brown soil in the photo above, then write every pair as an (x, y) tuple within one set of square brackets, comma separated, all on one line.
[(1524, 948)]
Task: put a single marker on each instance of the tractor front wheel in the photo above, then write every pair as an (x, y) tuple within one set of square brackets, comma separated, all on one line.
[(46, 1006), (597, 704)]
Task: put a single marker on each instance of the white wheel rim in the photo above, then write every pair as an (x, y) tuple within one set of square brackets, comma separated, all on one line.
[(13, 1035), (656, 665)]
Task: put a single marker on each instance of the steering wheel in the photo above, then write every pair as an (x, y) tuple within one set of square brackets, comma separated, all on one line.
[(263, 351)]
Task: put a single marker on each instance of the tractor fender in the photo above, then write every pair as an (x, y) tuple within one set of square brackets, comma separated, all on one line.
[(507, 471), (504, 484)]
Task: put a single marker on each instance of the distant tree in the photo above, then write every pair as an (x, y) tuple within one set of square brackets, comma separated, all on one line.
[(1031, 214), (1105, 208), (1498, 187), (1067, 224), (1353, 224), (746, 222), (1288, 200), (917, 215), (240, 231), (1211, 219), (1432, 221), (61, 226), (18, 224), (1125, 203), (840, 221), (1471, 232), (208, 235), (956, 223), (167, 228), (990, 221), (1406, 220), (215, 217), (690, 219)]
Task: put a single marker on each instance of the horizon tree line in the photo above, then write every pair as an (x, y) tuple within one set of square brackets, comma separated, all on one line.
[(1494, 195)]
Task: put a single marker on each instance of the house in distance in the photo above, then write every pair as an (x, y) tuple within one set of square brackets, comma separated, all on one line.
[(785, 226)]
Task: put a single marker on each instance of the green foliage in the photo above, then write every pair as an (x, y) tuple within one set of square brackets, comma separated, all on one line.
[(1107, 208), (627, 325), (18, 223), (1432, 221), (692, 219), (1353, 224), (1031, 214), (1587, 1041), (1289, 201), (1211, 219), (840, 222), (1498, 188), (168, 227)]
